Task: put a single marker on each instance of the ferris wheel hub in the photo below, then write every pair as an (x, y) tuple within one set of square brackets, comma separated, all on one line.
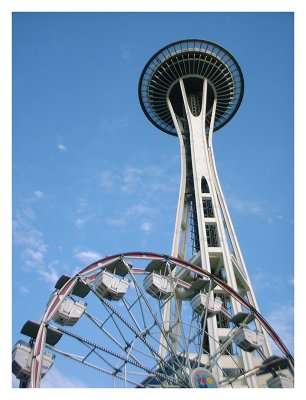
[(202, 378)]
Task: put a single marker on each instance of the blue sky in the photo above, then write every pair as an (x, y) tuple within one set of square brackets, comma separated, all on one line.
[(93, 177)]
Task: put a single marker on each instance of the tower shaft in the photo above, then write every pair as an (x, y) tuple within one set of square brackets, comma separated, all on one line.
[(201, 202)]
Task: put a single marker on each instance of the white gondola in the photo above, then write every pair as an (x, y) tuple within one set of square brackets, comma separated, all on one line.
[(21, 360), (159, 286), (199, 304), (249, 340), (69, 312), (280, 381), (109, 286)]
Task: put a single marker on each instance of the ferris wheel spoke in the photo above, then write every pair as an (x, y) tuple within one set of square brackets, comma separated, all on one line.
[(223, 348), (161, 328), (140, 331), (113, 319), (140, 305), (129, 307), (93, 350), (145, 354), (158, 365), (190, 332), (141, 336), (242, 375), (93, 346), (99, 324), (93, 366), (162, 304), (128, 346), (115, 370), (128, 342)]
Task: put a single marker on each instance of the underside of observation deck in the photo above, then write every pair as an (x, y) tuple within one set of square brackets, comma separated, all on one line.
[(193, 60)]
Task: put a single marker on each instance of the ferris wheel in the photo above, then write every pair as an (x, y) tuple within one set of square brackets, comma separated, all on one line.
[(139, 320)]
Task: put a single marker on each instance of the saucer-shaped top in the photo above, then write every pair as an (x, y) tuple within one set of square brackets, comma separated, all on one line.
[(190, 59)]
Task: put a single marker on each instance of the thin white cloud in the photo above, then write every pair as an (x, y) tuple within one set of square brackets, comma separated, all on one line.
[(262, 281), (49, 274), (125, 52), (87, 256), (28, 213), (140, 209), (107, 180), (22, 288), (116, 221), (81, 221), (147, 179), (61, 147), (146, 183), (33, 248), (282, 321), (58, 379), (146, 226), (82, 218), (170, 185), (33, 258), (131, 179), (256, 208), (26, 235), (114, 124), (244, 206), (280, 218), (142, 181), (82, 204), (38, 194)]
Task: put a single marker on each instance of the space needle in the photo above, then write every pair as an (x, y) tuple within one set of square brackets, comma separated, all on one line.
[(191, 89)]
